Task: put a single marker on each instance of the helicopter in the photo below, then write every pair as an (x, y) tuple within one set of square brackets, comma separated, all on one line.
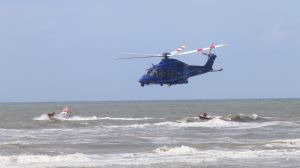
[(171, 71)]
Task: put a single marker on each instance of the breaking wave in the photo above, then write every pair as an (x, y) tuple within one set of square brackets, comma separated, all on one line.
[(44, 117), (290, 143), (126, 119), (187, 119), (244, 118), (175, 150), (160, 155), (216, 122)]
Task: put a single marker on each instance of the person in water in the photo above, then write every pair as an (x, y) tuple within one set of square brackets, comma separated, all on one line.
[(204, 116)]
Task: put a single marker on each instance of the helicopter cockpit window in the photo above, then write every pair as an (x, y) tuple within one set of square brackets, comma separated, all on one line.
[(151, 72), (148, 71)]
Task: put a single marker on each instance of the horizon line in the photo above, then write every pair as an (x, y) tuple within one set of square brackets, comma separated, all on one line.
[(153, 100)]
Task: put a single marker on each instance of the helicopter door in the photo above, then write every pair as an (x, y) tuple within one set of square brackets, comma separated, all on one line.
[(172, 74), (160, 74)]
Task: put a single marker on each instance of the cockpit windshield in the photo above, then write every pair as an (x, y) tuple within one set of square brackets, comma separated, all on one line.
[(148, 71), (151, 72)]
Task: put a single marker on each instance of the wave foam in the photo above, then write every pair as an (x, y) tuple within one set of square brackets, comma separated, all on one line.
[(214, 123), (44, 117), (176, 150), (130, 126), (161, 155), (290, 143), (128, 119), (244, 118), (78, 118)]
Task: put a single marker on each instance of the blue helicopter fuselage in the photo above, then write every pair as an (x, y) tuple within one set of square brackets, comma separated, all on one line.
[(172, 71)]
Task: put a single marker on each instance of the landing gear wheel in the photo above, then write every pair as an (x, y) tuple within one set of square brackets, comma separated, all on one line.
[(142, 84)]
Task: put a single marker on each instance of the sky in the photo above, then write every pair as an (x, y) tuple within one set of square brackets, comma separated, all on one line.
[(67, 50)]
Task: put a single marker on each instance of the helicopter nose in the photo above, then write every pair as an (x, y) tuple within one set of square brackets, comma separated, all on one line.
[(144, 79)]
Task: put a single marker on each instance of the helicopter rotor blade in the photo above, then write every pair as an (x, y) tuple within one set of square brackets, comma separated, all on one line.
[(150, 56), (179, 49), (141, 55), (212, 46), (176, 52)]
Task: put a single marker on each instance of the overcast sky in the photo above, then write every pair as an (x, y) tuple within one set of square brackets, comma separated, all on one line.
[(66, 50)]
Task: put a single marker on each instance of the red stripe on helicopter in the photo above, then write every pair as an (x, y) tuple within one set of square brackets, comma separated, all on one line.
[(181, 48), (199, 49)]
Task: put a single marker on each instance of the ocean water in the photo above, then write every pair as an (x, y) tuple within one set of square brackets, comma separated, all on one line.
[(158, 134)]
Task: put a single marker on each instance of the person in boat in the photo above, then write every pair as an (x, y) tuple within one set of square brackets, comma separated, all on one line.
[(204, 116), (51, 114)]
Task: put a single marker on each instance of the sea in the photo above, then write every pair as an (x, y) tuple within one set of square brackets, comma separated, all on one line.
[(152, 134)]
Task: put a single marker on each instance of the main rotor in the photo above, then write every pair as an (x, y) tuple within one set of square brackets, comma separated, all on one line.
[(177, 52)]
